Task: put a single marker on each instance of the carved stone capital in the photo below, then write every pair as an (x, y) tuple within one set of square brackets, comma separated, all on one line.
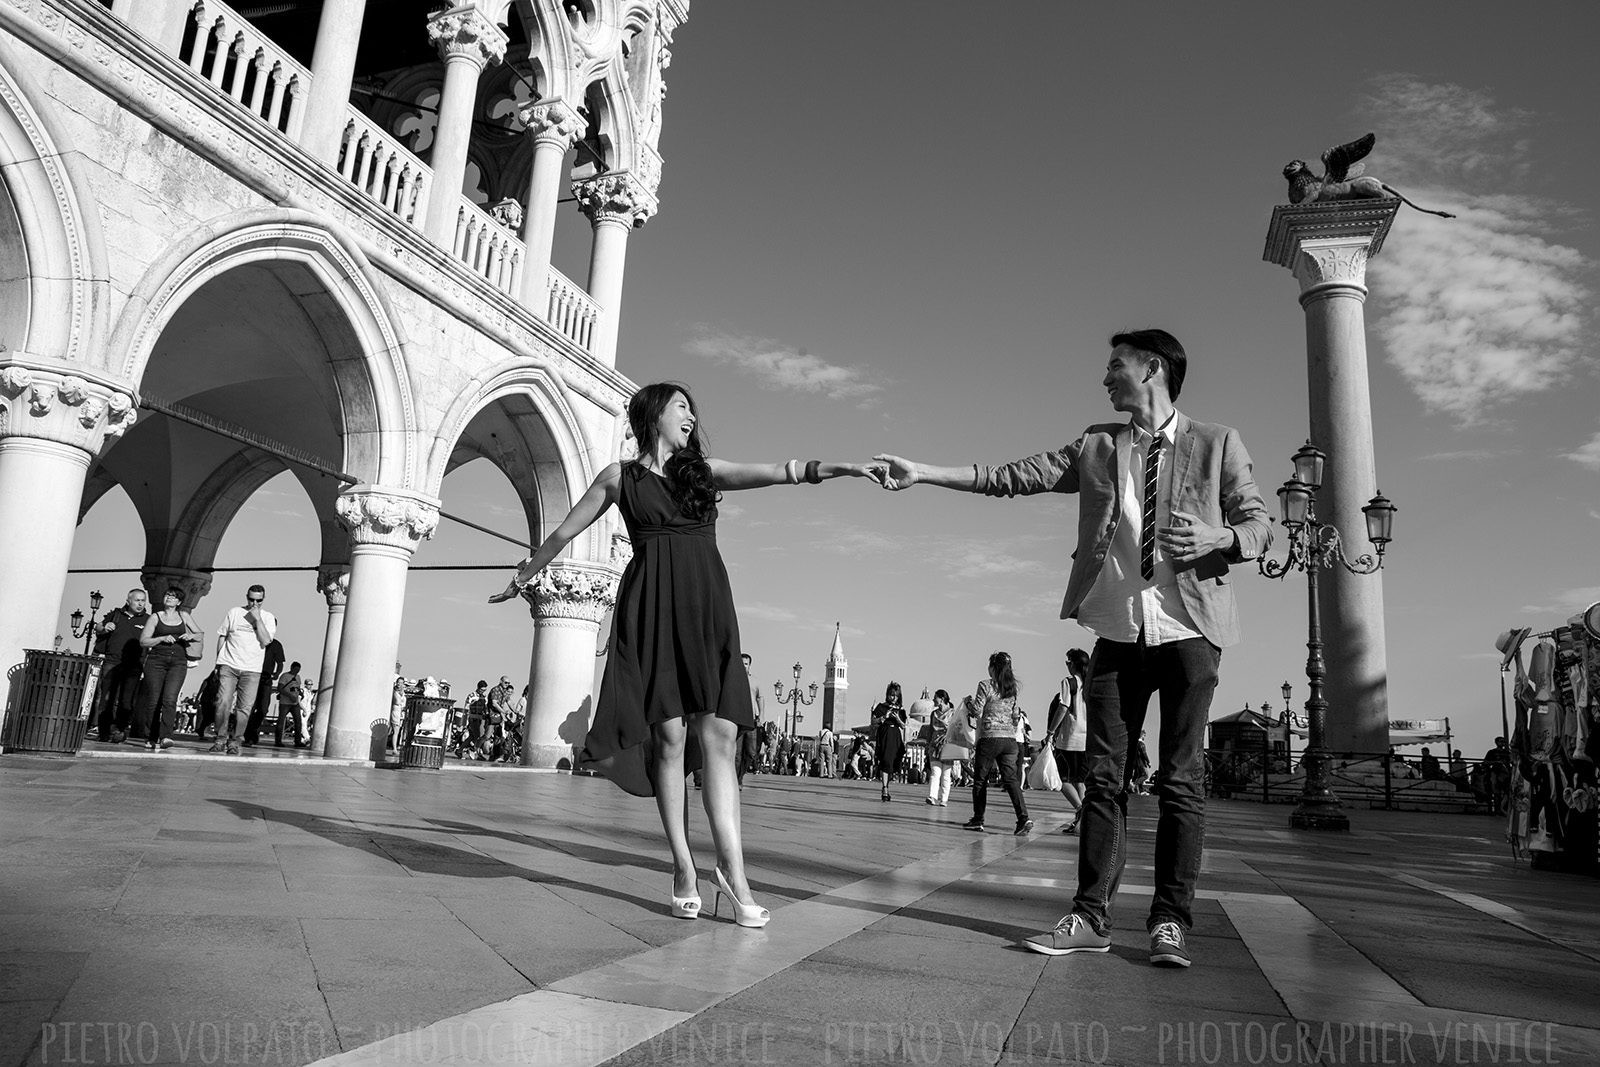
[(57, 405), (195, 584), (1340, 261), (572, 589), (333, 582), (553, 121), (396, 518), (616, 197), (466, 33)]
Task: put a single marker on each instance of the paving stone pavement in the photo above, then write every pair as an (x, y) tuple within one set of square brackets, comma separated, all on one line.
[(173, 908)]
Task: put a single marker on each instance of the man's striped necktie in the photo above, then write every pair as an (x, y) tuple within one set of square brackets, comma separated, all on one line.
[(1147, 537)]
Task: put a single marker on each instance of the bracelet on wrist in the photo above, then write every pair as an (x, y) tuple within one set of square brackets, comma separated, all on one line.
[(814, 471), (791, 471)]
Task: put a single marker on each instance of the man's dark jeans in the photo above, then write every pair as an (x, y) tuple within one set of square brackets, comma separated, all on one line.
[(119, 697), (1007, 754), (1122, 676)]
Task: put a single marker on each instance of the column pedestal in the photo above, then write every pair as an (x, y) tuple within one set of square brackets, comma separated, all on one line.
[(568, 600), (1327, 246), (385, 525), (51, 426)]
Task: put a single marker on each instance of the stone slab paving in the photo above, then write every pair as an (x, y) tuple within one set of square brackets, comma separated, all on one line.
[(272, 908)]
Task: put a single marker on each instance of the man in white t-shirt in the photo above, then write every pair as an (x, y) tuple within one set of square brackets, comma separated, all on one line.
[(242, 642)]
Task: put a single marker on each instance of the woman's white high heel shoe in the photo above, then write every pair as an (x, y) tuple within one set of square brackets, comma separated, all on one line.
[(686, 907), (751, 915)]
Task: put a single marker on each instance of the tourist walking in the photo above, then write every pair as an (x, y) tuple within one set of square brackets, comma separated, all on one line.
[(750, 740), (1000, 739), (674, 695), (890, 739), (1165, 505), (1068, 734), (166, 639), (242, 642), (826, 752), (291, 696), (273, 658), (119, 686), (941, 751)]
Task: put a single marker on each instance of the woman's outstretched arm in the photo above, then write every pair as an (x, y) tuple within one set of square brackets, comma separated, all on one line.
[(759, 475), (594, 502)]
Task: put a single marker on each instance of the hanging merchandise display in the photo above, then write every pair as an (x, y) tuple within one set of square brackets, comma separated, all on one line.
[(1553, 814)]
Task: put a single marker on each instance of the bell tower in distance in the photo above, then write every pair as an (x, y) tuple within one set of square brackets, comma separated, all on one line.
[(836, 683)]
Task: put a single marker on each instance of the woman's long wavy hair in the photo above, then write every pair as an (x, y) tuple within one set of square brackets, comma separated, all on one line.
[(1000, 670), (693, 488)]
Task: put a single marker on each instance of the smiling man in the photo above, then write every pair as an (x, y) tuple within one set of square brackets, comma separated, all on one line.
[(1165, 505)]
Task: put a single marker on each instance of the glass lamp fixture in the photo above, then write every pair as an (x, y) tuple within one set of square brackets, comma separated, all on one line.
[(1308, 463), (1293, 498), (1380, 521)]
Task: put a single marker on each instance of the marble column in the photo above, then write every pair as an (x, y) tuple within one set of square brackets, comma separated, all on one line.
[(1327, 247), (567, 599), (386, 525), (555, 128), (52, 424), (333, 68), (194, 583), (333, 582), (467, 41), (616, 204)]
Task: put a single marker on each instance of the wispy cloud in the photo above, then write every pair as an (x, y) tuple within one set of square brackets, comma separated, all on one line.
[(1487, 307), (1588, 455), (767, 613), (780, 367), (1565, 602), (1474, 454), (1007, 628)]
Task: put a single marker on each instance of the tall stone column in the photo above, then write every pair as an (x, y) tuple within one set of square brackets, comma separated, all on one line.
[(159, 20), (52, 423), (386, 526), (555, 128), (567, 599), (333, 582), (467, 41), (333, 68), (616, 204), (1327, 247), (194, 583)]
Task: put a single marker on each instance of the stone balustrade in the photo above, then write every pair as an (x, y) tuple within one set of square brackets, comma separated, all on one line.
[(238, 61), (570, 310), (384, 169), (488, 248)]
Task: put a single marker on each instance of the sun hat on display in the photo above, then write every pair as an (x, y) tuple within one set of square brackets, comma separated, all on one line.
[(1508, 643)]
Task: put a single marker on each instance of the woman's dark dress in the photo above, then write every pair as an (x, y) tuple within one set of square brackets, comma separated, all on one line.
[(674, 638), (891, 739)]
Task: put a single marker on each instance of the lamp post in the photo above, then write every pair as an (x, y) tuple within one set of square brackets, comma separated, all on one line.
[(795, 700), (1290, 722), (1314, 544), (76, 618)]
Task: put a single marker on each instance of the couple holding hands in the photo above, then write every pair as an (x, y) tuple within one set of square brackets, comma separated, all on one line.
[(1166, 504)]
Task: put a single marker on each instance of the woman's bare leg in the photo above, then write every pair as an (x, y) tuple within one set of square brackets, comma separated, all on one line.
[(719, 743), (672, 802)]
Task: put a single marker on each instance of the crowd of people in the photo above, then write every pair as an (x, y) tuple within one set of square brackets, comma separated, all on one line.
[(150, 654)]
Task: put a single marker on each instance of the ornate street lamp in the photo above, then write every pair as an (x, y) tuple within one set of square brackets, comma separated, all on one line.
[(76, 618), (795, 700), (1314, 544)]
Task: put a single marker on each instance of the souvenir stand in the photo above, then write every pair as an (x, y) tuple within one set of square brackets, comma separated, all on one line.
[(1555, 795)]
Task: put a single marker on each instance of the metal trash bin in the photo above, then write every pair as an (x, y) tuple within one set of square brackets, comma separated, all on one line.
[(426, 730), (52, 700)]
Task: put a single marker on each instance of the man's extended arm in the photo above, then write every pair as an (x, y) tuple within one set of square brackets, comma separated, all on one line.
[(1047, 472)]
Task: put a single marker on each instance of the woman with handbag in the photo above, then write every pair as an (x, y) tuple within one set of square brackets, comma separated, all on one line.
[(947, 747), (999, 741), (170, 639), (891, 740)]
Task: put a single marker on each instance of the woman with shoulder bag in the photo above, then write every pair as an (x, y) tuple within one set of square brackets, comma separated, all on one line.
[(946, 746), (999, 741), (1069, 734), (166, 641)]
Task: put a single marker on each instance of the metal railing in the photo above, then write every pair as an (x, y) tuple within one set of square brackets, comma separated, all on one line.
[(1237, 773)]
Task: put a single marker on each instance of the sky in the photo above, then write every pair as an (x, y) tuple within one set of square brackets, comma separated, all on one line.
[(912, 226)]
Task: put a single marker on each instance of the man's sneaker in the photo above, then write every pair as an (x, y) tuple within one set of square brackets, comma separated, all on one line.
[(973, 824), (233, 748), (1166, 945), (1073, 933), (217, 746), (1023, 827)]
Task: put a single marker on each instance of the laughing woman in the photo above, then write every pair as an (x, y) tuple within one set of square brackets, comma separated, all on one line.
[(675, 694)]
